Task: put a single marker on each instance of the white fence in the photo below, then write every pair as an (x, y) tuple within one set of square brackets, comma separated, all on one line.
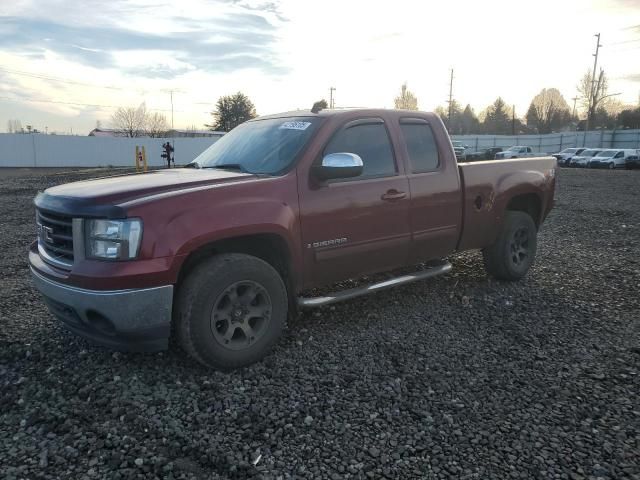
[(20, 150), (23, 150), (554, 142)]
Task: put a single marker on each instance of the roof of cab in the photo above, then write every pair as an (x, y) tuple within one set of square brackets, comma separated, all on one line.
[(333, 112)]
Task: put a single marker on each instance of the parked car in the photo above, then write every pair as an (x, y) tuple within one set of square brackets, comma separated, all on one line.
[(459, 148), (221, 254), (582, 160), (633, 161), (564, 157), (518, 152), (486, 154), (611, 159)]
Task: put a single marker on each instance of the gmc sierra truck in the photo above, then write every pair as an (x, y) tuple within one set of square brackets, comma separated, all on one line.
[(219, 255)]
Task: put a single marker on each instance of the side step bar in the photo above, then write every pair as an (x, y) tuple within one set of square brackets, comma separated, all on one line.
[(309, 302)]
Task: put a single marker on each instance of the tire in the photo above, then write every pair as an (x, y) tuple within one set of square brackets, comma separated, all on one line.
[(612, 166), (514, 251), (230, 311)]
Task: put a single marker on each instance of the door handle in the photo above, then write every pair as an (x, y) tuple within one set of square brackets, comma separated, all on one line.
[(393, 195)]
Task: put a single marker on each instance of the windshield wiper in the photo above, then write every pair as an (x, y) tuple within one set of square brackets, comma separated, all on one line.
[(228, 166)]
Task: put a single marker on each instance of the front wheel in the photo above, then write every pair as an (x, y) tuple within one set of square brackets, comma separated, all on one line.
[(612, 166), (230, 310), (514, 251)]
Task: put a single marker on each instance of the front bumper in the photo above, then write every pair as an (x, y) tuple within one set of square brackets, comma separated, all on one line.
[(128, 320)]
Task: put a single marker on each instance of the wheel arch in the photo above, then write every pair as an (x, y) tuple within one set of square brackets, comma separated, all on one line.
[(270, 247), (529, 203)]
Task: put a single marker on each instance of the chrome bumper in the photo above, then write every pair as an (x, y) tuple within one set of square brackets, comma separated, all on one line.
[(134, 319)]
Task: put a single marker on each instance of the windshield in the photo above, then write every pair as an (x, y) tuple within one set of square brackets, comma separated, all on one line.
[(457, 143), (514, 149), (569, 150), (607, 153), (261, 146), (589, 153)]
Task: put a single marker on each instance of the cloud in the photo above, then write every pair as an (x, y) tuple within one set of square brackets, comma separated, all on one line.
[(236, 40), (632, 77)]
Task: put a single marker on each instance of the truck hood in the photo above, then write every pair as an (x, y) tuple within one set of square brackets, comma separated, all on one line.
[(85, 197)]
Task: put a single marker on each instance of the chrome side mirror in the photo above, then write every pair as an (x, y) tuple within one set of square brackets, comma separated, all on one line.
[(339, 165)]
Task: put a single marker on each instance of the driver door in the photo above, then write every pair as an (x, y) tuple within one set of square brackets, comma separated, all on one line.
[(358, 225)]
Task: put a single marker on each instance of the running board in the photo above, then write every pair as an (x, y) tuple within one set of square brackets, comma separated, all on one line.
[(308, 302)]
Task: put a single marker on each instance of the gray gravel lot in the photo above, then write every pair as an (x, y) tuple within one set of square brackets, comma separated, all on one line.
[(457, 377)]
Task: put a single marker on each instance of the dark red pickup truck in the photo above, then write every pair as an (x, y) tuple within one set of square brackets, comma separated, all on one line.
[(219, 254)]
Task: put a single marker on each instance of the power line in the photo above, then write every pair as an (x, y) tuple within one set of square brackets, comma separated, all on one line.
[(625, 41), (57, 79), (78, 104)]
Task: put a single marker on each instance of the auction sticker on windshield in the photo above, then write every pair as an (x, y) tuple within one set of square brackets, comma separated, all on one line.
[(295, 125)]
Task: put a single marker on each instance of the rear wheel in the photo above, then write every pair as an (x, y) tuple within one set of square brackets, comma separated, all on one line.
[(230, 310), (514, 251)]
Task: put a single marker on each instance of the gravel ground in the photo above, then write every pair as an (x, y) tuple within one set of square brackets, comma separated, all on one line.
[(457, 377)]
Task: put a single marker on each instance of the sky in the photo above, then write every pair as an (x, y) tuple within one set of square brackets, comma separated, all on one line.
[(64, 64)]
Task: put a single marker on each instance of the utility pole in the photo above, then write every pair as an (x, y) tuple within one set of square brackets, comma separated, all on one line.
[(593, 81), (513, 120), (331, 90), (450, 99), (171, 93), (574, 106)]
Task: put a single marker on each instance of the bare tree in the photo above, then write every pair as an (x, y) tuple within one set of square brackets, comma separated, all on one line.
[(156, 125), (14, 126), (594, 93), (548, 111), (130, 121), (407, 100)]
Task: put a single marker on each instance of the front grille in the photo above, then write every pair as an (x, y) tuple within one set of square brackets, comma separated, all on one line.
[(55, 238)]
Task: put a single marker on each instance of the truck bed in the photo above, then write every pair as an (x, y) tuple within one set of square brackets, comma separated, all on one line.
[(487, 187)]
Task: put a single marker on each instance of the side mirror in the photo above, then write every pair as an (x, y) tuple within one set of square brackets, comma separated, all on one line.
[(338, 165)]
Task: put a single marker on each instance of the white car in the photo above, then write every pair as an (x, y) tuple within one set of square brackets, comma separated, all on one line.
[(518, 152), (611, 159), (582, 160), (565, 156)]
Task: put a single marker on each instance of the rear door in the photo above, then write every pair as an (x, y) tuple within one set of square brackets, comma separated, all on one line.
[(360, 225), (434, 181)]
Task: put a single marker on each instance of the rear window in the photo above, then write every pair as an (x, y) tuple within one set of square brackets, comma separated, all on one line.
[(421, 146)]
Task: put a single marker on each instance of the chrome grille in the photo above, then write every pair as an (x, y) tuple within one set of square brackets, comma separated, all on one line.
[(55, 238)]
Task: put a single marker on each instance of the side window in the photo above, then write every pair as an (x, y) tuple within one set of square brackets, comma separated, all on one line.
[(421, 146), (371, 142), (619, 155)]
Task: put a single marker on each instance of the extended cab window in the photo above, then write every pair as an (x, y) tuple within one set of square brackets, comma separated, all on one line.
[(421, 146), (371, 142)]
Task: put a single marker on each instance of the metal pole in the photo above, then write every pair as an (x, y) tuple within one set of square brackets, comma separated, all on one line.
[(331, 90), (592, 100), (513, 120), (450, 98)]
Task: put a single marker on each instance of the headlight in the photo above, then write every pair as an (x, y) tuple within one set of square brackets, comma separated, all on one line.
[(113, 239)]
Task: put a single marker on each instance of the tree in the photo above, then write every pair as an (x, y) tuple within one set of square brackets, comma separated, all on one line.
[(548, 111), (407, 100), (469, 123), (156, 125), (629, 118), (130, 121), (231, 111), (454, 126), (593, 92), (497, 119), (319, 105), (14, 126)]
